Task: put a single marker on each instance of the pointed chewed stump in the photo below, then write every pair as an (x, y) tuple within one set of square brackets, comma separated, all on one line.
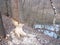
[(2, 30)]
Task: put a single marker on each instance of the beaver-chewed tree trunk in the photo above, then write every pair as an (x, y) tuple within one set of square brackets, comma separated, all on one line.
[(2, 30)]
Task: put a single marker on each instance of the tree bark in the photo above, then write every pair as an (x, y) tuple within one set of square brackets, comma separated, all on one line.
[(2, 30)]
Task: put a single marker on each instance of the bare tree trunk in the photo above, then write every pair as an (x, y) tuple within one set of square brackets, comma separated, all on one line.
[(14, 9), (2, 30)]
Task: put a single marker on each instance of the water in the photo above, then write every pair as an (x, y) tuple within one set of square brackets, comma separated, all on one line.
[(48, 27)]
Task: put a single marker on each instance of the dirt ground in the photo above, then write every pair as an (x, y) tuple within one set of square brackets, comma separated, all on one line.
[(35, 38)]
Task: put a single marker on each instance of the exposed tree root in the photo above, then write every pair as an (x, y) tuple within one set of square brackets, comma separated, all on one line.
[(19, 29)]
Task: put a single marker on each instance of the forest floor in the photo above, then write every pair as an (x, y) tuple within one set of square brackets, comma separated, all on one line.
[(36, 38)]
